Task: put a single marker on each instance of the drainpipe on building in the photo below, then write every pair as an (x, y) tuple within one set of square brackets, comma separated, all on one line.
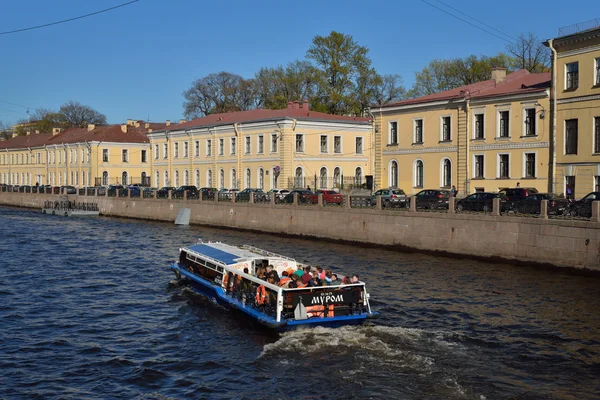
[(554, 57)]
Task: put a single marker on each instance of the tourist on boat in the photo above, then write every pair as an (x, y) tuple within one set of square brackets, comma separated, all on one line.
[(285, 279), (292, 284), (334, 280), (315, 282), (273, 274), (261, 273), (307, 275), (299, 272), (346, 280), (355, 278), (321, 273)]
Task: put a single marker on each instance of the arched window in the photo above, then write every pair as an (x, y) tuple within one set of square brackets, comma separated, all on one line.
[(209, 179), (234, 184), (446, 173), (393, 174), (358, 176), (105, 178), (337, 177), (221, 178), (157, 179), (167, 182), (186, 177), (144, 180), (261, 178), (197, 178), (124, 177), (418, 174), (298, 178), (176, 178), (275, 177), (83, 181), (323, 178), (248, 178)]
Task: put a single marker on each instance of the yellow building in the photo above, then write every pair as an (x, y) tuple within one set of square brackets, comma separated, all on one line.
[(89, 156), (481, 137), (266, 149), (576, 98)]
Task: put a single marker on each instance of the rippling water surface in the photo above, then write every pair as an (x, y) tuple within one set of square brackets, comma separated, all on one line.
[(88, 309)]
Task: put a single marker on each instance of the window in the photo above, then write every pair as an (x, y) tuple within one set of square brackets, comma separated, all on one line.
[(208, 147), (337, 144), (597, 69), (165, 150), (419, 174), (572, 76), (503, 124), (186, 153), (597, 135), (197, 178), (358, 176), (446, 129), (323, 178), (393, 139), (503, 166), (359, 145), (260, 145), (597, 184), (197, 148), (157, 179), (570, 187), (156, 153), (261, 178), (571, 136), (446, 173), (233, 146), (176, 150), (529, 165), (234, 184), (299, 143), (324, 144), (530, 122), (104, 155), (71, 160), (248, 178), (274, 143), (167, 181), (221, 178), (125, 155), (478, 166), (176, 178), (298, 178), (221, 147), (418, 139), (393, 174), (124, 177), (104, 178), (479, 126), (87, 155), (247, 145), (337, 174)]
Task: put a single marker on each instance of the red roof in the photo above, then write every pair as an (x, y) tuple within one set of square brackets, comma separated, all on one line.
[(265, 115), (518, 82), (108, 133)]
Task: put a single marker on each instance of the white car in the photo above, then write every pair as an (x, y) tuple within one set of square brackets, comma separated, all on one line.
[(279, 193)]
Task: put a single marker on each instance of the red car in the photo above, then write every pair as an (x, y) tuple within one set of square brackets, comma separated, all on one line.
[(329, 197)]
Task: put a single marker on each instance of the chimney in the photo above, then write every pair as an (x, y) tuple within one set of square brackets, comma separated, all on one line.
[(290, 104), (136, 124), (306, 105), (91, 127), (498, 74), (168, 122), (14, 135), (129, 122), (55, 131), (124, 128), (147, 125), (28, 133), (149, 130), (181, 121)]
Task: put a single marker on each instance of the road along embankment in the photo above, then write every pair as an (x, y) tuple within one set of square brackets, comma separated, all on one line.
[(560, 243)]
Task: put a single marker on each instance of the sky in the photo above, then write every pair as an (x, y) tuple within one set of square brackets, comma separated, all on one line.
[(136, 61)]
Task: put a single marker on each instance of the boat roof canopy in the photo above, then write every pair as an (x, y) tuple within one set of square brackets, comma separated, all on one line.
[(227, 254)]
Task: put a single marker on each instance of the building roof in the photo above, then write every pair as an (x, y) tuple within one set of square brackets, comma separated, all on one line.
[(294, 110), (518, 82), (107, 133)]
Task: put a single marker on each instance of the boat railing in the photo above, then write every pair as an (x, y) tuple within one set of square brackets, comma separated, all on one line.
[(265, 252)]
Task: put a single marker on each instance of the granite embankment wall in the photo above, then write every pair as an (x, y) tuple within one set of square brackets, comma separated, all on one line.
[(562, 243)]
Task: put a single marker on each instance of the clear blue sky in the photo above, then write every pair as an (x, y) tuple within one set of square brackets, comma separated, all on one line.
[(136, 61)]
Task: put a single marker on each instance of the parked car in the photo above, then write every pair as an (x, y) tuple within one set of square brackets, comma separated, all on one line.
[(583, 207), (532, 204), (135, 190), (113, 190), (433, 199), (149, 191), (302, 196), (244, 195), (329, 197), (391, 198), (68, 190), (163, 192), (482, 201), (279, 193), (208, 193), (192, 192), (511, 196)]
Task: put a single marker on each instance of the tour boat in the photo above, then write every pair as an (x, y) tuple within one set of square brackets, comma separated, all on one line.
[(217, 270)]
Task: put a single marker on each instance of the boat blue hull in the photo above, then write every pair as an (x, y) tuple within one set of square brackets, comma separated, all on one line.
[(217, 293)]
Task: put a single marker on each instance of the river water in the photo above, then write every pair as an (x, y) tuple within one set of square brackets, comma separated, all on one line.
[(88, 309)]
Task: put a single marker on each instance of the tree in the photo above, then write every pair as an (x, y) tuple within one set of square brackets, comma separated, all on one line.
[(529, 53), (389, 88), (5, 131), (275, 87), (74, 114), (218, 93), (340, 60)]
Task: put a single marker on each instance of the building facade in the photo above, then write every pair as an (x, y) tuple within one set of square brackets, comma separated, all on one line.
[(265, 149), (576, 99), (482, 137)]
